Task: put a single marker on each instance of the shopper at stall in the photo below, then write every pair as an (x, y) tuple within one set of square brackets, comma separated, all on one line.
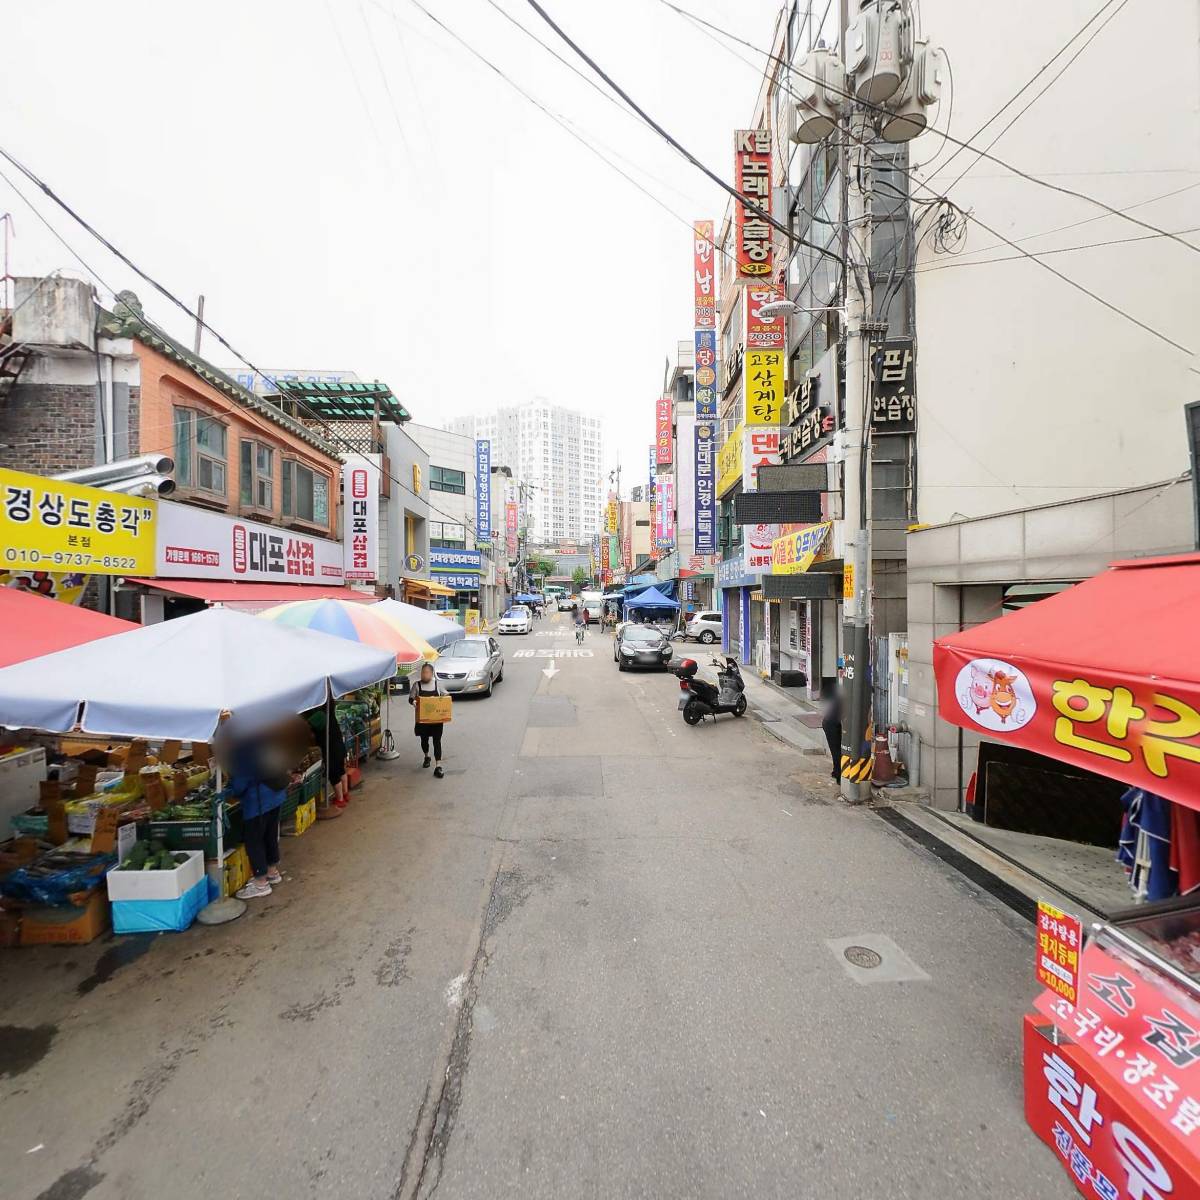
[(323, 720), (427, 685), (259, 779)]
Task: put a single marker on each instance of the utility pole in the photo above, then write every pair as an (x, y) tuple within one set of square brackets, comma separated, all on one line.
[(884, 91), (856, 590), (199, 324)]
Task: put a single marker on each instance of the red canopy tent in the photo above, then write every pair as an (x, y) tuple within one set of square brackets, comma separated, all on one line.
[(31, 626), (1105, 676)]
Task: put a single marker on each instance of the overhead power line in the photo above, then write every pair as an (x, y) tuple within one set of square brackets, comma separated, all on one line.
[(878, 108), (744, 201), (334, 435), (937, 197), (1034, 78)]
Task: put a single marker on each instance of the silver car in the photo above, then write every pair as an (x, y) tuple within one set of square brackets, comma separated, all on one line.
[(472, 665)]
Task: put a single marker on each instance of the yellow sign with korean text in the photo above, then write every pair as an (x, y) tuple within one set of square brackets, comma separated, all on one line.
[(416, 478), (49, 525), (764, 387), (729, 461), (610, 517), (848, 581), (795, 552), (472, 621)]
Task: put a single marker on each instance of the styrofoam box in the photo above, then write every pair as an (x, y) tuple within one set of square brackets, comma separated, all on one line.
[(157, 885)]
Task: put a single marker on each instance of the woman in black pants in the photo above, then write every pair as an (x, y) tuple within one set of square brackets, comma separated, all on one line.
[(427, 685)]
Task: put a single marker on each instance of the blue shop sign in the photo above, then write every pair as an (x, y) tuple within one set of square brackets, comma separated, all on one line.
[(455, 560), (731, 573), (460, 583)]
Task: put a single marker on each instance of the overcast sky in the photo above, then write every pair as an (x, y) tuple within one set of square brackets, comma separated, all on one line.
[(351, 189)]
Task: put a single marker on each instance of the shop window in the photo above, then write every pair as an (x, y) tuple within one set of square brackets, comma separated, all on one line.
[(447, 535), (257, 477), (446, 479), (200, 452), (305, 493)]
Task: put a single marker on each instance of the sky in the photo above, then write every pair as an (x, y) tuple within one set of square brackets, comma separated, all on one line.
[(351, 189)]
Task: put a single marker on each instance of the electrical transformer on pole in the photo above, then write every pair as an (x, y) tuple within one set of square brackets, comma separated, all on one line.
[(882, 92)]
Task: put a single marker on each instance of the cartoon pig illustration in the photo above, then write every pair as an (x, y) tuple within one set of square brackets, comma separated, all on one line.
[(979, 692), (1003, 698)]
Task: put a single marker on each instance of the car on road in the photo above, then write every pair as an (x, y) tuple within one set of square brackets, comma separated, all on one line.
[(641, 646), (518, 619), (705, 627), (566, 603), (593, 602), (472, 665)]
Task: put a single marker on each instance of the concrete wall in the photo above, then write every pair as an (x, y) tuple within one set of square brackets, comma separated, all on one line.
[(957, 575), (403, 453), (1028, 390)]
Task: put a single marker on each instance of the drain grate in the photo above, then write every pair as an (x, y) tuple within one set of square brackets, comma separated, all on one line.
[(862, 956)]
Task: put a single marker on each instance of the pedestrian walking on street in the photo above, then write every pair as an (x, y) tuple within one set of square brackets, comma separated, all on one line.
[(260, 783), (427, 685)]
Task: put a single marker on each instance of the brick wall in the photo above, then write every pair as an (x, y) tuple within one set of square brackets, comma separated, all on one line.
[(46, 428)]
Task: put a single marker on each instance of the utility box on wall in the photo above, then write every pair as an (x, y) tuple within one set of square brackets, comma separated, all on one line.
[(54, 312)]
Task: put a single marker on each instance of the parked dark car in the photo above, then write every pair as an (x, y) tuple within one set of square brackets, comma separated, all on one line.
[(641, 646)]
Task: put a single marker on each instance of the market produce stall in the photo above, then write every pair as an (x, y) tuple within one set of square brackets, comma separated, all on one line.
[(172, 685), (1107, 676)]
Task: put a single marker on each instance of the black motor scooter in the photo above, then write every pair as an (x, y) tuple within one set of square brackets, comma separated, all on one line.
[(702, 699)]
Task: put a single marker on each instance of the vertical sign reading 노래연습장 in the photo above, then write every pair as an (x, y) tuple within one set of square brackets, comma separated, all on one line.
[(483, 490), (360, 518), (752, 179), (662, 431), (51, 525)]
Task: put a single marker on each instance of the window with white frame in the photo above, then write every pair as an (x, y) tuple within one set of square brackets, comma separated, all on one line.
[(200, 451), (256, 478), (305, 493)]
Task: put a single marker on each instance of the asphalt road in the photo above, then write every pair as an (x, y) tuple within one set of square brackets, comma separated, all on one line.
[(592, 961)]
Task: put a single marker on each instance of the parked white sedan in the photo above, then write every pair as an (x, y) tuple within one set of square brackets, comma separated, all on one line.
[(518, 619)]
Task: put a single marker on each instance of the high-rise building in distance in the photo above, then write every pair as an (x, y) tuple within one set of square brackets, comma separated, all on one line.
[(558, 453)]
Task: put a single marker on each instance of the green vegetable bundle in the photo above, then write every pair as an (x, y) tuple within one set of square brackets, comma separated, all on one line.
[(152, 856)]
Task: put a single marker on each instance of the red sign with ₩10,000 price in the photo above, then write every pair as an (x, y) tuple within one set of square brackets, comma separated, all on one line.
[(1060, 941), (1106, 1147)]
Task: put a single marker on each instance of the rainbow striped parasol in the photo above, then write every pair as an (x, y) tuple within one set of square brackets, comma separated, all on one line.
[(355, 623)]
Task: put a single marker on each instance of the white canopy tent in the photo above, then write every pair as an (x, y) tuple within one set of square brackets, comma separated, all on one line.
[(437, 630), (176, 679)]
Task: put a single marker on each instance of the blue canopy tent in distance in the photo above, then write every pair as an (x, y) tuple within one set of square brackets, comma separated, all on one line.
[(650, 605)]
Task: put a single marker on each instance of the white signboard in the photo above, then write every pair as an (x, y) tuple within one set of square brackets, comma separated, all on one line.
[(194, 544), (360, 517), (758, 548)]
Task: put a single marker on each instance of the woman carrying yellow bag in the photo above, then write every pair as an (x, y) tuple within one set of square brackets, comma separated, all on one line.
[(432, 712)]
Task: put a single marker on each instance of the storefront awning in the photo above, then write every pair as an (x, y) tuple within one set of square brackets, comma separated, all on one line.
[(432, 589), (1105, 676), (258, 595), (34, 625)]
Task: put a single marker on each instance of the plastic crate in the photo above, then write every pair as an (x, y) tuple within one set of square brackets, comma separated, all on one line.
[(198, 835), (300, 820)]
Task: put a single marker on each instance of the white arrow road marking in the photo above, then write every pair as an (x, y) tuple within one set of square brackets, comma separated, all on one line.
[(550, 671)]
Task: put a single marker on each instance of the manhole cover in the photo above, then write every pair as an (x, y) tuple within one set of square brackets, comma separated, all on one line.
[(862, 956)]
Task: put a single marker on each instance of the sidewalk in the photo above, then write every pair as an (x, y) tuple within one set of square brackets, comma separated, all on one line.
[(793, 719)]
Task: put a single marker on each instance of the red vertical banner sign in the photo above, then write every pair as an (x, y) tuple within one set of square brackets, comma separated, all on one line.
[(752, 179), (705, 275), (1060, 942), (662, 437)]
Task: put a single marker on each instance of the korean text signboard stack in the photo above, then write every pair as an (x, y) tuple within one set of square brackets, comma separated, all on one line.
[(705, 364), (483, 490)]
